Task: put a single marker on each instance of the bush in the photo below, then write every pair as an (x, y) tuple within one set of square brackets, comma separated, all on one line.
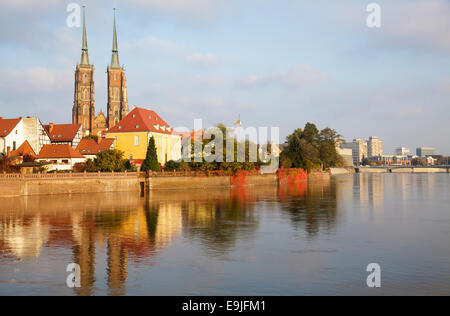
[(171, 165)]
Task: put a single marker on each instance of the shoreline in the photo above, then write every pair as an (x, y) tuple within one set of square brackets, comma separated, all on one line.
[(115, 182)]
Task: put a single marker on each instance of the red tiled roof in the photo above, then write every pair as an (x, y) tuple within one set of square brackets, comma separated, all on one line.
[(58, 151), (88, 147), (7, 125), (141, 120), (62, 132), (106, 143), (23, 150), (194, 135)]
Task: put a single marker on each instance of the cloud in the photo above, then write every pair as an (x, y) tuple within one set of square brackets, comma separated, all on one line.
[(202, 60), (154, 42), (418, 24), (34, 81), (298, 76), (186, 10)]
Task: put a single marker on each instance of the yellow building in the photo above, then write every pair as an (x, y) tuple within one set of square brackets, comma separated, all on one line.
[(132, 134)]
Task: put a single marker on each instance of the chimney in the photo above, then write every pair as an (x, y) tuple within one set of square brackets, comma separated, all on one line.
[(51, 126), (8, 151), (1, 118)]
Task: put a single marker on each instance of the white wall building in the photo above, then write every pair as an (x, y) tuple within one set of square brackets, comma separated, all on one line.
[(374, 147), (14, 132), (62, 157)]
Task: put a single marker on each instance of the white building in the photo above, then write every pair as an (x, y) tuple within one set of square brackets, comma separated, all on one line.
[(402, 151), (374, 147), (14, 132), (359, 150), (62, 157)]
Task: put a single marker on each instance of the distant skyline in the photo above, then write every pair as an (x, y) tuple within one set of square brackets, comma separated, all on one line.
[(276, 63)]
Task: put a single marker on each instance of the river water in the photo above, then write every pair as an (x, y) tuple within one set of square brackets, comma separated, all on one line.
[(302, 239)]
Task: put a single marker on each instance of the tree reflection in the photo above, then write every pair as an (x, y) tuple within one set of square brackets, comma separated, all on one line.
[(310, 205), (219, 223)]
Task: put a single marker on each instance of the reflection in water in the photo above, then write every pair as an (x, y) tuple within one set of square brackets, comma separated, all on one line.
[(310, 205), (112, 235)]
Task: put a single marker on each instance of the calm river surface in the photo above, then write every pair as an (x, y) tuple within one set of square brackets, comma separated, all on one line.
[(306, 239)]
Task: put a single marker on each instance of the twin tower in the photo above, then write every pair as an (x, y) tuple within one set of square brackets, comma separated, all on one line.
[(83, 111)]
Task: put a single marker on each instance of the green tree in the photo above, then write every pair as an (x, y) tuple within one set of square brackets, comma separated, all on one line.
[(151, 159), (309, 148), (171, 165), (328, 140), (110, 160)]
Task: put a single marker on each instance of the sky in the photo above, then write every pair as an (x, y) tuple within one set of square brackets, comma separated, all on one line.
[(276, 63)]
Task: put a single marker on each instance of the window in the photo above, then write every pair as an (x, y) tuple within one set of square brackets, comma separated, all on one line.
[(86, 94), (14, 145), (85, 78), (115, 77), (86, 125), (136, 140)]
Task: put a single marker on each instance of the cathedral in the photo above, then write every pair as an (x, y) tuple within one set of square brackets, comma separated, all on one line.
[(83, 111)]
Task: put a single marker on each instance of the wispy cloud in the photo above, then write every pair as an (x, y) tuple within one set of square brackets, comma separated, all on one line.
[(202, 60), (298, 76)]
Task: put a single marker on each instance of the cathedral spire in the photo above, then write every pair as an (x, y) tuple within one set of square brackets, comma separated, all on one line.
[(84, 48), (115, 50)]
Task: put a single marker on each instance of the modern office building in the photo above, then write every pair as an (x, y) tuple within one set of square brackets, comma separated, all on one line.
[(402, 151), (374, 147), (424, 151), (359, 150)]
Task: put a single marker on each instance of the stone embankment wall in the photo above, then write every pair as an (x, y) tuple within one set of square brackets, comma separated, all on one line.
[(17, 187), (92, 183)]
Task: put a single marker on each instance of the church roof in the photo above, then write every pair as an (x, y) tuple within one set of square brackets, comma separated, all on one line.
[(58, 151), (7, 125), (141, 120), (62, 132)]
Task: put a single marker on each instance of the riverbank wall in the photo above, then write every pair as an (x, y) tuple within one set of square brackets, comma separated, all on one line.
[(12, 185), (402, 170)]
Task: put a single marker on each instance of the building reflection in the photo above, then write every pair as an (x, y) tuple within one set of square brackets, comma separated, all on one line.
[(107, 234)]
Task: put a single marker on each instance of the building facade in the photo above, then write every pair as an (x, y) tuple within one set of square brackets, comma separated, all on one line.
[(425, 152), (83, 111), (359, 150), (62, 157), (132, 134), (374, 147), (15, 132), (402, 151), (65, 134), (117, 86)]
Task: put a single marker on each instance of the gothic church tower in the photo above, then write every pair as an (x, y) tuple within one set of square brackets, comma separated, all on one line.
[(83, 111), (117, 86)]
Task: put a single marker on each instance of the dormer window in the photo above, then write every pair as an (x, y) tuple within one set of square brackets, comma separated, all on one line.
[(120, 127), (134, 115), (137, 126), (156, 127)]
